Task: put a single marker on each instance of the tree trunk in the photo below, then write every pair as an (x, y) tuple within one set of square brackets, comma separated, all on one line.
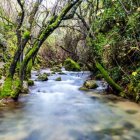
[(108, 79)]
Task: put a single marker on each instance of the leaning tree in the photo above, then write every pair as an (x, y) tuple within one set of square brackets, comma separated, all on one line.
[(32, 27)]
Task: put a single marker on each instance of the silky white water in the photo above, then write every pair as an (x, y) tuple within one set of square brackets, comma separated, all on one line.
[(58, 110)]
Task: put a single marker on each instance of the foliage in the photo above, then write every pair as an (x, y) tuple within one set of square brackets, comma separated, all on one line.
[(115, 43), (6, 89), (26, 34)]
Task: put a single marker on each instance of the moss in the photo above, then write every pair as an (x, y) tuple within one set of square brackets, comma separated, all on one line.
[(30, 82), (29, 68), (58, 79), (0, 76), (16, 89), (11, 88), (26, 34), (6, 88), (71, 65)]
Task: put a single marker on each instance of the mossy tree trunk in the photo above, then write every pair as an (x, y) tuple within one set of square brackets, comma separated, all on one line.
[(22, 40), (108, 79)]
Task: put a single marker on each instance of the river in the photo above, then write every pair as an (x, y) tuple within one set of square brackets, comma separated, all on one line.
[(57, 110)]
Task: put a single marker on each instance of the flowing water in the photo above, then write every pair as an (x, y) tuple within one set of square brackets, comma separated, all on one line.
[(57, 110)]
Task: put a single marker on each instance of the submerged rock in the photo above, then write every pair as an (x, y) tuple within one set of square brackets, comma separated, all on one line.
[(90, 84), (83, 88), (71, 65), (42, 77), (58, 79)]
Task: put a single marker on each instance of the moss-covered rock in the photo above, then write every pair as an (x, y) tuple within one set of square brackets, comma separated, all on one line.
[(90, 84), (58, 79), (30, 82), (42, 77), (71, 65)]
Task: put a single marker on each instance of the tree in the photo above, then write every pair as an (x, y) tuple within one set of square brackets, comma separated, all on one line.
[(49, 23)]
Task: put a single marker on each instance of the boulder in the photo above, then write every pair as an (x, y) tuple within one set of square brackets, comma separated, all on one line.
[(71, 65), (42, 77), (90, 84)]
